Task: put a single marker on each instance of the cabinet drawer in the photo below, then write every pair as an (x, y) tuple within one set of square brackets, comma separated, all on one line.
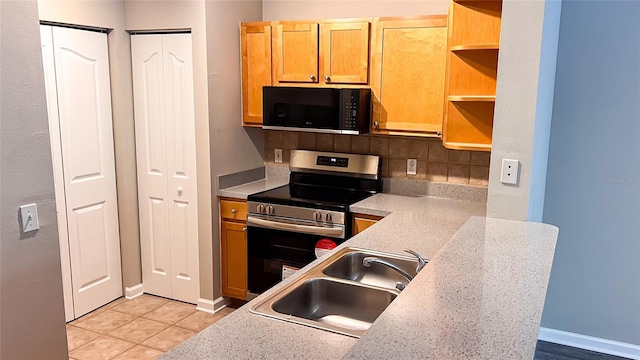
[(233, 209)]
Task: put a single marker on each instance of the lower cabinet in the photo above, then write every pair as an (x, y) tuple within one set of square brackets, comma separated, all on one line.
[(361, 221), (233, 244)]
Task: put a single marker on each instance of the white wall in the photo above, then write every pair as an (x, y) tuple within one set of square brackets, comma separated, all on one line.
[(593, 183), (233, 148), (32, 322), (332, 9), (109, 14)]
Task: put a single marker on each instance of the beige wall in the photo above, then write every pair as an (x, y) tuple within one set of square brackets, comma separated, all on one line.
[(233, 148), (31, 306), (167, 15), (110, 14), (328, 9), (522, 106)]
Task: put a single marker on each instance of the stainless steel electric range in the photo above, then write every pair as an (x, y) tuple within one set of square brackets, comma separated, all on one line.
[(290, 226)]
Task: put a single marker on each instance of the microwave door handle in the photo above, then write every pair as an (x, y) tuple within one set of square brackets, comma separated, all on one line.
[(316, 230)]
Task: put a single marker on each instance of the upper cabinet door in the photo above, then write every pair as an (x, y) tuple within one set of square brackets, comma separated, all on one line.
[(255, 42), (296, 53), (344, 52), (408, 75)]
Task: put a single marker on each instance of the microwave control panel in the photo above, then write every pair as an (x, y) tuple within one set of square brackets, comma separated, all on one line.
[(351, 110)]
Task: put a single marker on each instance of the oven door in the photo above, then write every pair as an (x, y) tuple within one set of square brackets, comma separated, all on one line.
[(276, 250)]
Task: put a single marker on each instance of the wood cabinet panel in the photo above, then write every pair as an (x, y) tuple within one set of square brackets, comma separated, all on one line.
[(295, 52), (233, 243), (360, 222), (344, 52), (408, 75), (255, 43)]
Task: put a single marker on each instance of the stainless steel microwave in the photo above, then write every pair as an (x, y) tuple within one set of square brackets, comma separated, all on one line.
[(323, 110)]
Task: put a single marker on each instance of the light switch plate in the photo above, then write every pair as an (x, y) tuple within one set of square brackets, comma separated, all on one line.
[(412, 165), (278, 155), (29, 218), (509, 171)]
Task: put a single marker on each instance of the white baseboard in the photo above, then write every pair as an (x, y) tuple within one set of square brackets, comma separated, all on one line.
[(210, 306), (133, 292), (205, 305), (586, 342)]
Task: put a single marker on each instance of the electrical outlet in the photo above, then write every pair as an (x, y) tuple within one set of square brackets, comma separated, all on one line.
[(412, 165), (278, 155), (29, 218), (509, 171)]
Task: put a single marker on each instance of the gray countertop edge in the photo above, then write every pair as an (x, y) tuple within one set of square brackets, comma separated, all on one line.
[(244, 190)]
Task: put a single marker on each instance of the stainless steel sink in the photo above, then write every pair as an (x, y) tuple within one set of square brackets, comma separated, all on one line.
[(349, 267), (339, 294), (339, 305)]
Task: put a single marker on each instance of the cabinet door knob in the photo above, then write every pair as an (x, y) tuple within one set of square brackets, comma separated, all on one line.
[(244, 229), (312, 77), (233, 211), (179, 189), (375, 123), (327, 78)]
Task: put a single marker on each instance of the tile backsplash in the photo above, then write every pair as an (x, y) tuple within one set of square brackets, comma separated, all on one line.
[(435, 162)]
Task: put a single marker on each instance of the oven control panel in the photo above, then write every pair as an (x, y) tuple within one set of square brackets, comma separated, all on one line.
[(332, 161), (297, 213)]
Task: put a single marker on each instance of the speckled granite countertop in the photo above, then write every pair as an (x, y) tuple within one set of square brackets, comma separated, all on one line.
[(244, 190), (480, 296)]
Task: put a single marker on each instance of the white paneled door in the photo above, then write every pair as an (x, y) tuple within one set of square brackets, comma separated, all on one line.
[(76, 66), (166, 161)]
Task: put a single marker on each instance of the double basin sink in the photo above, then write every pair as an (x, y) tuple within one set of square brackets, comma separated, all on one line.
[(340, 294)]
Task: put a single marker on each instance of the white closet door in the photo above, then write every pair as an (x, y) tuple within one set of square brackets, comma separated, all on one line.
[(165, 150), (46, 39), (86, 137), (181, 164), (151, 154)]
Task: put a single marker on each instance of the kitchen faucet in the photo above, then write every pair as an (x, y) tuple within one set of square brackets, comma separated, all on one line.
[(367, 261)]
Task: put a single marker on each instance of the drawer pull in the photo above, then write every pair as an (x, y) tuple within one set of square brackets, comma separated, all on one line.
[(234, 211)]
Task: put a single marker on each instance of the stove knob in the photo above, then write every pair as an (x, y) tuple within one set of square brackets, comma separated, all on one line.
[(260, 208), (327, 217), (270, 210), (317, 216)]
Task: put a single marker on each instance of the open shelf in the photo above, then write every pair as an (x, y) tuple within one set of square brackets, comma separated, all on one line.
[(469, 123), (475, 22), (475, 47), (472, 70), (468, 146), (475, 98)]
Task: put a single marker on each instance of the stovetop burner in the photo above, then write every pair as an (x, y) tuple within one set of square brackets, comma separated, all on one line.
[(311, 197)]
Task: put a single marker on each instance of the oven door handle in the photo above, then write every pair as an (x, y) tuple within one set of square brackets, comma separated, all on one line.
[(316, 230)]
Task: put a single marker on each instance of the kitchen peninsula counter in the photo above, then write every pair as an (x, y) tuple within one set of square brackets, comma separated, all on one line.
[(480, 296)]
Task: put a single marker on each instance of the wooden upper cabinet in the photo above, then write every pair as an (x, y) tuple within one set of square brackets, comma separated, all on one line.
[(408, 75), (295, 55), (256, 69), (344, 52)]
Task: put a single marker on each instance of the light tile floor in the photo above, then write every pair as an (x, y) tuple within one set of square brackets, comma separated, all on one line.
[(142, 328)]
